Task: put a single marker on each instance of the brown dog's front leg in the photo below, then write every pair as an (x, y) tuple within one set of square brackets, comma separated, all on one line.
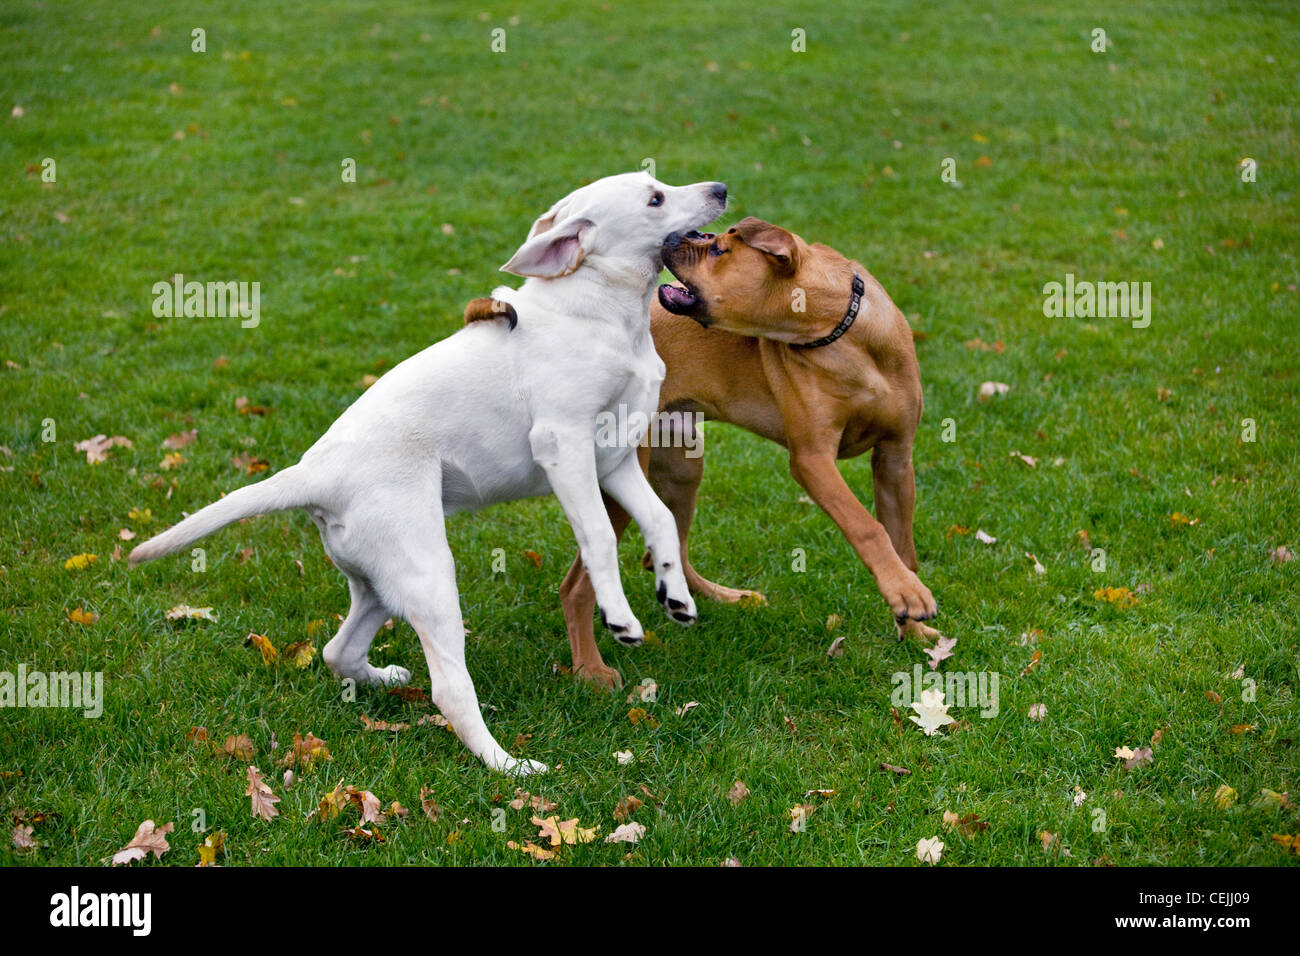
[(894, 483), (903, 591), (578, 598), (675, 475)]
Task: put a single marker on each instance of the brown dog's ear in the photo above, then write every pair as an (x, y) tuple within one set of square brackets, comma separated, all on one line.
[(769, 239), (486, 308)]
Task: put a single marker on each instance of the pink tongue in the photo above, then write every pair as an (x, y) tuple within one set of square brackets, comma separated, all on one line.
[(677, 295)]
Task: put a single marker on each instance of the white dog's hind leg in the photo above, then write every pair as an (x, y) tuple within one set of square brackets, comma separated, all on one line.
[(569, 459), (627, 485), (346, 653), (425, 590)]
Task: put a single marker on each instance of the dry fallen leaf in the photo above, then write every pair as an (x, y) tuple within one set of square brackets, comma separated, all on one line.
[(897, 771), (428, 805), (240, 747), (79, 562), (261, 798), (686, 708), (306, 751), (179, 440), (148, 839), (627, 833), (363, 835), (929, 850), (97, 448), (984, 538), (382, 725), (210, 847), (531, 849), (941, 651), (1037, 711), (185, 612), (368, 805), (1224, 797), (626, 807), (23, 839), (81, 616), (931, 711), (263, 644), (244, 408), (836, 649), (989, 389), (1136, 758), (1272, 800), (539, 803), (300, 653), (638, 715), (647, 692), (563, 831), (1119, 597), (737, 793)]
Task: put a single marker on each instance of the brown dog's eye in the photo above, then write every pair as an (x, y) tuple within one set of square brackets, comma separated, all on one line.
[(657, 199)]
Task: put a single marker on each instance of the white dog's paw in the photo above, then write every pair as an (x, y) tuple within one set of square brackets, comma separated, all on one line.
[(390, 676), (522, 768), (681, 608), (631, 633)]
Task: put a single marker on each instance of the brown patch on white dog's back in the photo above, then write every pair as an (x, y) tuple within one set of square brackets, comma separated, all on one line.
[(487, 308)]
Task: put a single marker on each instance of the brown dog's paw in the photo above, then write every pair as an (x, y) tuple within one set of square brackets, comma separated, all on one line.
[(600, 675), (907, 597), (916, 631), (486, 308)]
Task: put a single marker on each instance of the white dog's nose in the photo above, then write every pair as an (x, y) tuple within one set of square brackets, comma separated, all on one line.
[(719, 191)]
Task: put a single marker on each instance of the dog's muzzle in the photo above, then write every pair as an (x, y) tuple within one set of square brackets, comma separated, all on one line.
[(681, 299)]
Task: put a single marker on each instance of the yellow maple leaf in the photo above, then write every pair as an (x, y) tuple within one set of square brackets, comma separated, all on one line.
[(1224, 797), (210, 847), (532, 849), (563, 831), (300, 653), (79, 561), (1119, 597), (79, 616), (263, 644)]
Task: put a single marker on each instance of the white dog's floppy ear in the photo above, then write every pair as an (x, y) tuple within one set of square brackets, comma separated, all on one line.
[(547, 220), (553, 253)]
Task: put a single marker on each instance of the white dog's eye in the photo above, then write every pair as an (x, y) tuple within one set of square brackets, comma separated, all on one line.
[(657, 199)]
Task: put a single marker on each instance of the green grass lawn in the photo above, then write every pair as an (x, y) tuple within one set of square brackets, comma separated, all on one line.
[(225, 165)]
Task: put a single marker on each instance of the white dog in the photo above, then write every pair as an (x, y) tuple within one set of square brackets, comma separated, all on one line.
[(492, 414)]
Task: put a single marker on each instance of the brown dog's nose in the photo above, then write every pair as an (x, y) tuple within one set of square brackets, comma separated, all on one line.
[(719, 192)]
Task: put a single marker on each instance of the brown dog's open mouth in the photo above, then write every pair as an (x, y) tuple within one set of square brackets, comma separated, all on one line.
[(676, 299)]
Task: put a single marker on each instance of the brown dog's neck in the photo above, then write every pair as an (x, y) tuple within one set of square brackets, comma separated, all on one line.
[(856, 291), (838, 291)]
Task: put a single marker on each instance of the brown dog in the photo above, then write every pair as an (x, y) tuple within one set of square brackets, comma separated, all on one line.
[(798, 344)]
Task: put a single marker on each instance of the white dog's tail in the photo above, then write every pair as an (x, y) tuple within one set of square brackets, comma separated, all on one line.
[(283, 490)]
